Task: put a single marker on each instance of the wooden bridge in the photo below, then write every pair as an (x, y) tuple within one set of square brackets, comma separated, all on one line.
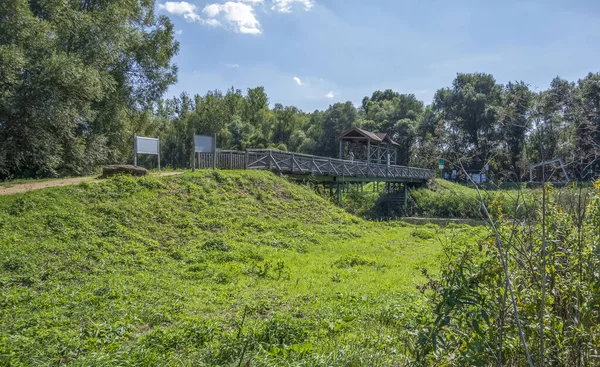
[(321, 169)]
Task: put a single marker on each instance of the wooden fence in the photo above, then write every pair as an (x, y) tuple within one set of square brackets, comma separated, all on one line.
[(226, 159)]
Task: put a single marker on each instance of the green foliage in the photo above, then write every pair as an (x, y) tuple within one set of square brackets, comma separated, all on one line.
[(444, 199), (352, 260), (473, 321), (71, 74), (206, 268), (422, 234), (216, 244)]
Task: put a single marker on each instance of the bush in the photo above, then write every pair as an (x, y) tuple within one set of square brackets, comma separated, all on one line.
[(422, 234), (216, 244)]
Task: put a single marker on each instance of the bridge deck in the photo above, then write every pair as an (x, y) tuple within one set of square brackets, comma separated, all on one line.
[(302, 164)]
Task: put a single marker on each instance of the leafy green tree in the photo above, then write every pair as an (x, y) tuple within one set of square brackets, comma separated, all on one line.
[(585, 118), (337, 118), (552, 130), (429, 141), (515, 122), (394, 114), (470, 108), (73, 76)]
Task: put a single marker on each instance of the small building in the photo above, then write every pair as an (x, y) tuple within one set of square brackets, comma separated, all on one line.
[(367, 146)]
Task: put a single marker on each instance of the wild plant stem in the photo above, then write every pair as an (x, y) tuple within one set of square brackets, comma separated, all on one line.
[(543, 276), (504, 262)]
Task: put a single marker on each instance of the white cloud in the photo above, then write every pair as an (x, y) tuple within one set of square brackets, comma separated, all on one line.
[(297, 80), (330, 95), (236, 15), (232, 66), (179, 32), (185, 9), (211, 22), (285, 6)]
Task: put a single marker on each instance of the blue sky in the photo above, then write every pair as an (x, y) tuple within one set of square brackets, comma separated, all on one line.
[(312, 53)]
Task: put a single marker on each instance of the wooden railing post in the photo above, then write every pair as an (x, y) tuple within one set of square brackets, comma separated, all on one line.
[(270, 158), (293, 161)]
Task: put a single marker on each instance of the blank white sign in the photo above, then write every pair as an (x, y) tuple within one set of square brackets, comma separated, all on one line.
[(147, 145), (203, 144)]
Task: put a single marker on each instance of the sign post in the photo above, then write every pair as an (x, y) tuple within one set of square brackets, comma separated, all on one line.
[(142, 145), (215, 152), (135, 149), (205, 144)]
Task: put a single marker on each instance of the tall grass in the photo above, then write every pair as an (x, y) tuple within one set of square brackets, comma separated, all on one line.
[(205, 269)]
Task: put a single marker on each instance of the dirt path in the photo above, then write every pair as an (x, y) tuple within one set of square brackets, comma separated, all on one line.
[(31, 186)]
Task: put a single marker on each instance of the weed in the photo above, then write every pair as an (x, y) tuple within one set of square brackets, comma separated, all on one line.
[(216, 244), (422, 234), (352, 260)]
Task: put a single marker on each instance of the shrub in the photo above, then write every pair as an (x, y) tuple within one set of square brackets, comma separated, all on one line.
[(216, 244), (422, 234)]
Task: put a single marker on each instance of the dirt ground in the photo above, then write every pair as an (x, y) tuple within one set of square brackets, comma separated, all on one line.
[(31, 186)]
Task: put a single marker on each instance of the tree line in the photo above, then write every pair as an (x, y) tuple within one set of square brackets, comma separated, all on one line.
[(78, 79), (475, 122)]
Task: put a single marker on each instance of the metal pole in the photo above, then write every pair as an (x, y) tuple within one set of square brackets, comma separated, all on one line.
[(135, 149), (340, 153)]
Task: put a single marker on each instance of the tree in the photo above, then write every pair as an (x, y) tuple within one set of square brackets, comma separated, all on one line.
[(394, 114), (552, 128), (470, 108), (515, 122), (336, 119), (73, 75), (585, 117), (428, 145)]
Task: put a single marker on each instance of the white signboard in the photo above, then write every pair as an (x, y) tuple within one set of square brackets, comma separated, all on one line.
[(147, 145), (204, 144), (142, 145)]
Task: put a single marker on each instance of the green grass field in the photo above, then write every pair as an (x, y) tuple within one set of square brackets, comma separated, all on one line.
[(207, 268)]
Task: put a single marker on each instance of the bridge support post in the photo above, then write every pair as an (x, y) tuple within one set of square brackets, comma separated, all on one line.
[(340, 188)]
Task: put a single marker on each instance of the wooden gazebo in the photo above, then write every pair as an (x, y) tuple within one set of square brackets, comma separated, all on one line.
[(367, 146)]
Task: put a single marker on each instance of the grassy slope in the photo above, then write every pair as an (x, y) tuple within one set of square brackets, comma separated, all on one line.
[(162, 271), (445, 199)]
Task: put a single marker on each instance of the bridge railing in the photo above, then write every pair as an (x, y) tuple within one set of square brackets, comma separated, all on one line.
[(297, 163)]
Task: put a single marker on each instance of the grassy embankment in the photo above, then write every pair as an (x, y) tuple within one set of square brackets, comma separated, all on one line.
[(206, 269), (445, 199)]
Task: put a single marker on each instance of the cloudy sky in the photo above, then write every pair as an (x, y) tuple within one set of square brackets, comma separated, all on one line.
[(312, 53)]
